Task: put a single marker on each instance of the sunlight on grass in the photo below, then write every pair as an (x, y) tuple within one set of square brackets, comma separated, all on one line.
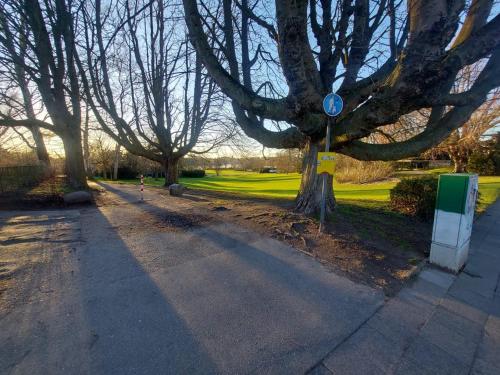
[(285, 186), (489, 191), (281, 185)]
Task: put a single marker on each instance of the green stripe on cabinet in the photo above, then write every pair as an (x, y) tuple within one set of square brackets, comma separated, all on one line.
[(452, 192)]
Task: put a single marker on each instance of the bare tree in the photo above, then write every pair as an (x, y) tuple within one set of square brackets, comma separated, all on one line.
[(116, 161), (102, 155), (463, 141), (17, 141), (146, 84), (15, 80), (39, 41), (86, 146), (385, 59), (288, 160)]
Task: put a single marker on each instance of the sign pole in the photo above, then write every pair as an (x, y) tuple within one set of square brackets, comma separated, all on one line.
[(332, 105), (325, 179)]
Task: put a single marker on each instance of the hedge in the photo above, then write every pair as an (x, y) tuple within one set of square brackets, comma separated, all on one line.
[(193, 173)]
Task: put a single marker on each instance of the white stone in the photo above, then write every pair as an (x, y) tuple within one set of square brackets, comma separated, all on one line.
[(176, 190), (80, 196)]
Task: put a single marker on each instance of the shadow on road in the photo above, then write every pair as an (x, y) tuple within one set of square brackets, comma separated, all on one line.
[(236, 243), (279, 295), (133, 327)]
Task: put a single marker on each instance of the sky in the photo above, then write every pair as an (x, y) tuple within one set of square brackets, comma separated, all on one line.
[(54, 144)]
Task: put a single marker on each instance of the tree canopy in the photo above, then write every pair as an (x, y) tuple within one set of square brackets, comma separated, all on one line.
[(158, 96), (385, 58)]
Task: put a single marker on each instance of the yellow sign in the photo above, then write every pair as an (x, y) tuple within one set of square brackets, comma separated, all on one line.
[(326, 162)]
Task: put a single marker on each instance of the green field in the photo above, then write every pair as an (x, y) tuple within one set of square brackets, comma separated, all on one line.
[(286, 186)]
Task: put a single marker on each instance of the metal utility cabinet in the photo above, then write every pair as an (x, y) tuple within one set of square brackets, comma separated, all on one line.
[(453, 217)]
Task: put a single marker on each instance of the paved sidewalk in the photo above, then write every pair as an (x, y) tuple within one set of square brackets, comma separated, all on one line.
[(442, 324), (118, 291)]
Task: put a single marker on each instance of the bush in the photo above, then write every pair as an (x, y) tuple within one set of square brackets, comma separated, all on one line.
[(267, 170), (481, 163), (21, 177), (360, 172), (193, 173), (495, 156), (127, 173), (496, 161), (415, 197)]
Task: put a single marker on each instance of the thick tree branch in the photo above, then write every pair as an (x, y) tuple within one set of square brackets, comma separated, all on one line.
[(254, 128), (438, 128), (414, 146), (478, 45), (476, 18), (259, 21), (271, 108), (27, 123)]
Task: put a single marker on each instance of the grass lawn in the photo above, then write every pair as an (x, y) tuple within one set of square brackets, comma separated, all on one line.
[(489, 190), (273, 185), (286, 186)]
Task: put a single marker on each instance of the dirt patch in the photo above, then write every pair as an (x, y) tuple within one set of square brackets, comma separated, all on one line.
[(185, 221), (17, 267), (367, 244), (28, 244), (47, 194), (11, 274), (7, 273), (154, 218), (364, 241)]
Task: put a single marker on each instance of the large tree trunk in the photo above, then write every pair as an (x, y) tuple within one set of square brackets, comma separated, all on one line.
[(86, 148), (116, 162), (41, 150), (171, 167), (460, 165), (308, 199), (459, 159), (75, 169)]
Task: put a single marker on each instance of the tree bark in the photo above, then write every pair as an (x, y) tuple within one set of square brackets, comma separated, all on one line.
[(460, 163), (171, 167), (22, 81), (459, 167), (75, 169), (308, 199), (116, 162), (421, 77), (41, 150), (459, 156), (86, 148)]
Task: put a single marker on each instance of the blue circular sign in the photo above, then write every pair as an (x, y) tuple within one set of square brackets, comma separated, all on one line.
[(333, 104)]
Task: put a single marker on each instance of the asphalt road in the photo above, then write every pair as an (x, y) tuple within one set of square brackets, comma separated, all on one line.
[(111, 290)]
